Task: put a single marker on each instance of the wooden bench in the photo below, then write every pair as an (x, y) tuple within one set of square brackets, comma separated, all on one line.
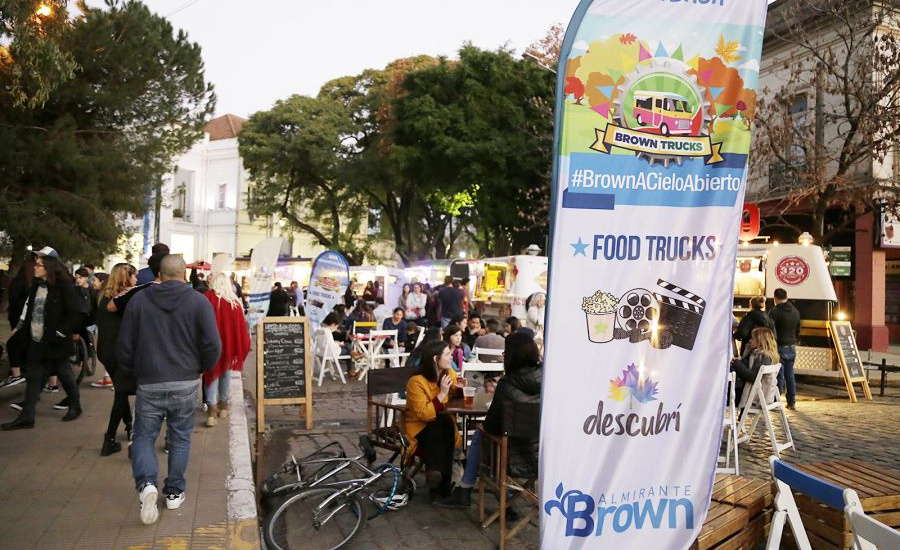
[(738, 514), (884, 368), (878, 489)]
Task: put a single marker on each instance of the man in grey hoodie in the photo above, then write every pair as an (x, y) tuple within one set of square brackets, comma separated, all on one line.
[(168, 337)]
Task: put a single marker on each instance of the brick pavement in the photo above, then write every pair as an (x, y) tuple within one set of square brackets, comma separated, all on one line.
[(58, 493), (825, 426)]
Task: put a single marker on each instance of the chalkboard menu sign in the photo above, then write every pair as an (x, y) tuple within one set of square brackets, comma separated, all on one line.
[(283, 365), (284, 360), (848, 357)]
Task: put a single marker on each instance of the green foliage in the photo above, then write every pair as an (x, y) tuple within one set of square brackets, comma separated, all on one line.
[(72, 169), (481, 126), (293, 153), (32, 64)]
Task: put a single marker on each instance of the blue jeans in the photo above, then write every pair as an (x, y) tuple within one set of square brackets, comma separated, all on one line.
[(786, 375), (473, 457), (152, 406), (217, 391)]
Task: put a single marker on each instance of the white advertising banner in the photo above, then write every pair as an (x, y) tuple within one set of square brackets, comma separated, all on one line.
[(654, 103), (328, 282), (262, 274)]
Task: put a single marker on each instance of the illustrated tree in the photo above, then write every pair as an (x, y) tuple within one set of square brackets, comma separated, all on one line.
[(831, 128), (294, 153), (72, 168)]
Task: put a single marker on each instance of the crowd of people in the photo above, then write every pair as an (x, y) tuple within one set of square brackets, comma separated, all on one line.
[(767, 339), (159, 339)]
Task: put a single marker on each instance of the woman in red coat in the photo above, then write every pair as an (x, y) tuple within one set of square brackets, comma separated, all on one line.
[(235, 345)]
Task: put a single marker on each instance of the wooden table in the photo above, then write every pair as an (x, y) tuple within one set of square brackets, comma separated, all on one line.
[(878, 489), (455, 405), (738, 514)]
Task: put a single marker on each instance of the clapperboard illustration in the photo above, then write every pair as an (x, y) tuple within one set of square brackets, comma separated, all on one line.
[(664, 320)]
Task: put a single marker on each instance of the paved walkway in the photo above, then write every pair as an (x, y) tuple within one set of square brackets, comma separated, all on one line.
[(826, 425), (56, 492)]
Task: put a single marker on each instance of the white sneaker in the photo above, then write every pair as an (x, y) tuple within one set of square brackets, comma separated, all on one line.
[(149, 511), (173, 500)]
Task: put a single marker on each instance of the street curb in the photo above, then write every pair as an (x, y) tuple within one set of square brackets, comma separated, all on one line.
[(243, 523)]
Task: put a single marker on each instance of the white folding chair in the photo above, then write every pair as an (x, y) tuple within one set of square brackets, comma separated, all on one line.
[(326, 356), (730, 433), (392, 352), (756, 406), (789, 478), (868, 533)]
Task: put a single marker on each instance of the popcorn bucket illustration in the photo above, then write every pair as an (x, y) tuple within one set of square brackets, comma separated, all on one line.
[(601, 326), (600, 311)]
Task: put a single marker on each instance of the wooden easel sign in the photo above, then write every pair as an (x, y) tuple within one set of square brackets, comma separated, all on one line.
[(284, 372), (848, 356)]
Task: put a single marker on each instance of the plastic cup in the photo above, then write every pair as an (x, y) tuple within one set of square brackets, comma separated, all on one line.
[(469, 396), (600, 327)]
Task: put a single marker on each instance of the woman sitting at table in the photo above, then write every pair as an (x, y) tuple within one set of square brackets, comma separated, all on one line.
[(459, 351), (520, 384), (426, 423), (763, 351)]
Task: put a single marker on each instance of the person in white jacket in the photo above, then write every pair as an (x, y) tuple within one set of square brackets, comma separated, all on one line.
[(535, 312), (415, 305)]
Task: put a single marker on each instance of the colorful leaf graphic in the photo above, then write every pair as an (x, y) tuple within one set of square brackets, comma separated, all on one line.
[(632, 385), (728, 50), (627, 38)]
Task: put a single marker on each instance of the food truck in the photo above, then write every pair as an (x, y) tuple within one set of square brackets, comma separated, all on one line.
[(500, 287), (802, 272)]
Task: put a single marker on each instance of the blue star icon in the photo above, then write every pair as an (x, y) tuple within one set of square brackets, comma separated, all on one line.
[(580, 248)]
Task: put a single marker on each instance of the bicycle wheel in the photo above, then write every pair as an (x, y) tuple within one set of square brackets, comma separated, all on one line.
[(79, 361), (382, 491), (91, 354), (318, 518)]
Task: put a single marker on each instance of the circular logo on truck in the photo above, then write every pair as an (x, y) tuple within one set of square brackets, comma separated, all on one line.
[(792, 270)]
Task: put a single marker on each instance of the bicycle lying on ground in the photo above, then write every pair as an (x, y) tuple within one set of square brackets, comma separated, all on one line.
[(322, 507)]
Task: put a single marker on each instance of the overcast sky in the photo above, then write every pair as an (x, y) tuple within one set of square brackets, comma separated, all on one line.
[(259, 51)]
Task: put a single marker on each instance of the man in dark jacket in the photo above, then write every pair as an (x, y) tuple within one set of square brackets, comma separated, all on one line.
[(787, 328), (146, 275), (168, 337)]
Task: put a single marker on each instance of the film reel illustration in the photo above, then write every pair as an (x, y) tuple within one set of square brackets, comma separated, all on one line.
[(637, 310), (640, 314)]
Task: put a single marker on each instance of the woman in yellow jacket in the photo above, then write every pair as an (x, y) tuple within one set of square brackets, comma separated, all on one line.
[(426, 422)]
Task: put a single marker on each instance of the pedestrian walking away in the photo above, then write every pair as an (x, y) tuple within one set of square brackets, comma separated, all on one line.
[(787, 329), (113, 299), (168, 337), (235, 339), (52, 315)]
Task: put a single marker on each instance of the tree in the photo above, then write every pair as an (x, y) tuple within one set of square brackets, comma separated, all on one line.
[(478, 128), (828, 131), (32, 64), (294, 153), (407, 204), (72, 169)]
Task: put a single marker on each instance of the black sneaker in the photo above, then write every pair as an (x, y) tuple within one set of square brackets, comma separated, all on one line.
[(17, 406), (51, 389), (62, 405), (12, 381)]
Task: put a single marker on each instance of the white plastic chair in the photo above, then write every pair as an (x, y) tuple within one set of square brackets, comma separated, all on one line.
[(868, 533), (392, 352), (326, 356), (756, 406), (730, 433)]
